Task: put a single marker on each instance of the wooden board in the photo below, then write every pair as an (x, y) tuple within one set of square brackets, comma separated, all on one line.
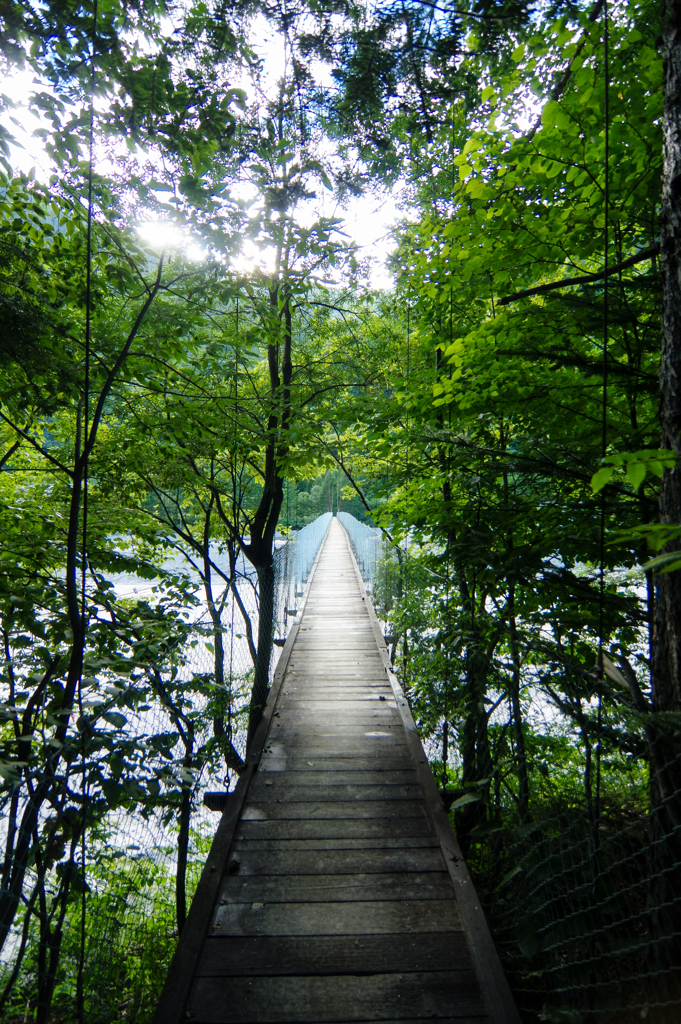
[(335, 887), (354, 810), (399, 842), (360, 918), (344, 828), (316, 1000), (326, 786), (333, 954), (251, 859), (383, 752), (336, 764), (338, 776), (302, 720), (334, 710)]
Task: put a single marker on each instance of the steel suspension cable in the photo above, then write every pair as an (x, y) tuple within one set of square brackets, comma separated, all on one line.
[(604, 402), (80, 991)]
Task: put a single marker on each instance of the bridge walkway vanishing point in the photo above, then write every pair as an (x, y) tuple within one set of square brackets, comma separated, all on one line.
[(335, 889)]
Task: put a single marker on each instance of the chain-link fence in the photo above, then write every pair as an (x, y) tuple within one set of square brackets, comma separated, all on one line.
[(120, 855), (586, 911)]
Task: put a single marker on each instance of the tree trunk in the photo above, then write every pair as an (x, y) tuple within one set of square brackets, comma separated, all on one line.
[(182, 851), (264, 524), (223, 698), (665, 885), (474, 742), (262, 662), (520, 753), (667, 630), (445, 750)]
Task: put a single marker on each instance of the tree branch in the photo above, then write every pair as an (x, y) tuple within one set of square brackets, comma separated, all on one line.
[(569, 282)]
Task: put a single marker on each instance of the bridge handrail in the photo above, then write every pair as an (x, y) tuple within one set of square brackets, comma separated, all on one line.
[(366, 543)]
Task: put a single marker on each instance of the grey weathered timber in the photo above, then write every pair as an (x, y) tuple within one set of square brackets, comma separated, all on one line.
[(335, 890)]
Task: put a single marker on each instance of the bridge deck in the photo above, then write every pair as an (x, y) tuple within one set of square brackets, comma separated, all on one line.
[(335, 890)]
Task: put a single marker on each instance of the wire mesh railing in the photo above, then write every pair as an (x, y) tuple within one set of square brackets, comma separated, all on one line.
[(113, 862), (367, 546), (293, 563), (587, 913)]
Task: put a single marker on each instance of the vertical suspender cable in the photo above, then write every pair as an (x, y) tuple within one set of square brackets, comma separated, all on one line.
[(80, 991), (236, 432), (88, 312), (604, 408)]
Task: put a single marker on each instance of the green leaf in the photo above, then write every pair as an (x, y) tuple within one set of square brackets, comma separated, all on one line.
[(636, 473), (510, 875), (114, 718), (486, 828), (669, 562), (647, 56), (549, 113), (467, 798), (601, 478)]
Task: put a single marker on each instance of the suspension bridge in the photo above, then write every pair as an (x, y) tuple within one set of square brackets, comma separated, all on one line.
[(335, 889)]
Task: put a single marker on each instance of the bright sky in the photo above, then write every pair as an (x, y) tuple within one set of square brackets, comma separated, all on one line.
[(366, 221)]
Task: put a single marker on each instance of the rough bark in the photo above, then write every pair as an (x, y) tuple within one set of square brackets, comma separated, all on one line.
[(223, 694), (183, 849), (262, 661), (259, 550), (665, 913), (667, 630)]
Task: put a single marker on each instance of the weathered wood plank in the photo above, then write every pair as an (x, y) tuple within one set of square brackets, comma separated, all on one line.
[(317, 1000), (347, 711), (251, 860), (307, 732), (343, 828), (369, 695), (336, 887), (340, 702), (335, 648), (322, 684), (333, 954), (340, 843), (343, 702), (354, 785), (264, 791), (378, 758), (333, 764), (334, 664), (354, 810), (336, 746), (359, 918), (302, 721)]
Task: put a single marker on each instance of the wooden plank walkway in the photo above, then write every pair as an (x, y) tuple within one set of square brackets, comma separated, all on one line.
[(335, 890)]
